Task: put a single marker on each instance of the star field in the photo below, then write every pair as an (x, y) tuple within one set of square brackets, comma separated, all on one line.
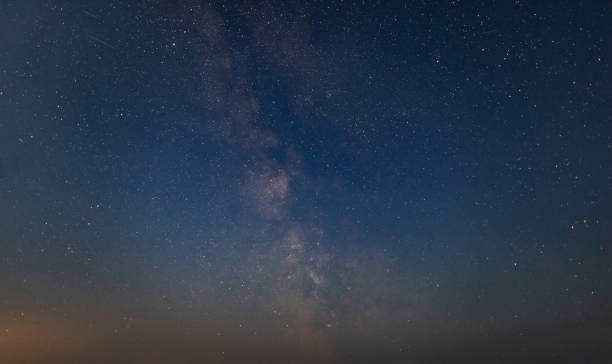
[(305, 182)]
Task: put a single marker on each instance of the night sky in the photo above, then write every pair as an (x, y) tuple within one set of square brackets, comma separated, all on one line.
[(305, 182)]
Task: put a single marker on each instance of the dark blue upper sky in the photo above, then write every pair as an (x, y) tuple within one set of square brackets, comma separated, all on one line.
[(305, 181)]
